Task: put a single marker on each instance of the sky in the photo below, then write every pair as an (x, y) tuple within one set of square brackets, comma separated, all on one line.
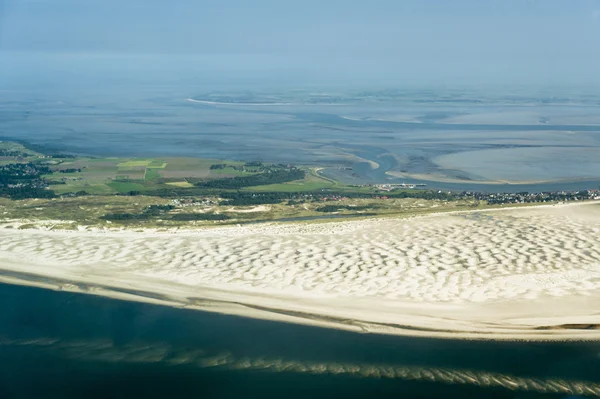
[(423, 40)]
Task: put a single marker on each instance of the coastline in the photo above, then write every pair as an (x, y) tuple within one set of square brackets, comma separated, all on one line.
[(443, 179), (126, 266), (221, 103), (206, 102)]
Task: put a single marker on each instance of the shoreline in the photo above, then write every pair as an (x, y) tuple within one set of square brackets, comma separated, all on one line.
[(238, 104), (360, 297), (305, 313), (444, 179), (192, 100)]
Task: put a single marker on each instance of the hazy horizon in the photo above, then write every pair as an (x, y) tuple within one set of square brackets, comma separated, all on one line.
[(438, 85), (462, 42)]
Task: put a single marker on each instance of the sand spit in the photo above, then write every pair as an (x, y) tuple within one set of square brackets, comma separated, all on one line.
[(236, 104), (531, 273)]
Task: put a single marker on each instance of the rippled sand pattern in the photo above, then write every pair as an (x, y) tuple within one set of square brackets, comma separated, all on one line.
[(475, 257)]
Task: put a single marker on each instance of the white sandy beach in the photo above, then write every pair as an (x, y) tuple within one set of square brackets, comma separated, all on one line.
[(530, 273)]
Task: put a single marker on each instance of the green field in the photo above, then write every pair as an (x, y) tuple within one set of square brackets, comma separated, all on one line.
[(125, 187), (134, 163), (310, 183), (33, 156), (152, 174), (182, 184), (166, 176), (229, 171), (157, 164), (166, 192), (103, 176)]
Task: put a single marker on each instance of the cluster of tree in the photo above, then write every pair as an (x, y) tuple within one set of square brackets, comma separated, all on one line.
[(42, 149), (70, 170), (65, 156), (15, 173), (336, 208), (13, 153), (294, 198), (24, 192), (154, 211), (188, 217), (524, 197), (150, 212), (276, 176), (256, 166), (81, 193), (125, 216), (23, 180), (176, 192), (424, 194), (242, 198), (275, 197), (157, 210)]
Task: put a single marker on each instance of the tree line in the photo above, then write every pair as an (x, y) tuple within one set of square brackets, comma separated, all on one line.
[(155, 211), (13, 153), (277, 176)]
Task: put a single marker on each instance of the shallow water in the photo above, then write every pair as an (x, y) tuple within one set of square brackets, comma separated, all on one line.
[(65, 345), (125, 106)]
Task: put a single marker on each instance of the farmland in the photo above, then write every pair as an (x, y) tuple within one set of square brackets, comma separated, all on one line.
[(102, 176), (174, 191), (169, 176), (69, 191)]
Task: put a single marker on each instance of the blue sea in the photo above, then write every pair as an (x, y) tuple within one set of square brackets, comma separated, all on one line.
[(67, 345)]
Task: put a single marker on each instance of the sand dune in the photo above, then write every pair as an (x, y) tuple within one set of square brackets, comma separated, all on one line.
[(522, 273)]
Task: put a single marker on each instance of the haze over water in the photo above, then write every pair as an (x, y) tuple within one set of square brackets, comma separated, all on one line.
[(464, 137), (429, 91)]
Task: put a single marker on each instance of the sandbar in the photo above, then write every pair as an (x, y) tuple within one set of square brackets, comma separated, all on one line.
[(512, 274)]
